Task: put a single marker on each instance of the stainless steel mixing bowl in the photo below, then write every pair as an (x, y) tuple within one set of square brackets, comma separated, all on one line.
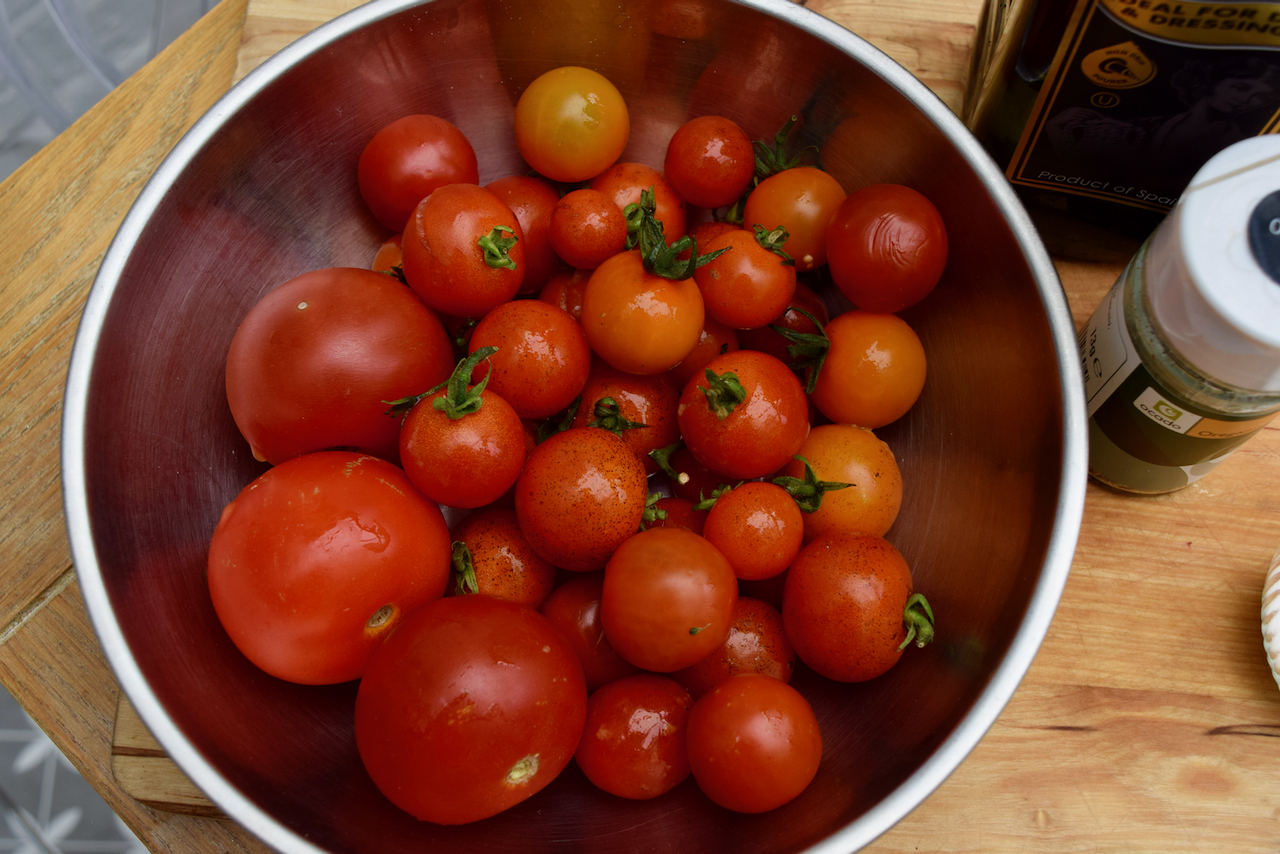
[(263, 188)]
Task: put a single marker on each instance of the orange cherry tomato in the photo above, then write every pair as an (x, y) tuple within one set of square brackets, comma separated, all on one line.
[(801, 199), (758, 527), (571, 124), (874, 370), (846, 453), (639, 322), (587, 228)]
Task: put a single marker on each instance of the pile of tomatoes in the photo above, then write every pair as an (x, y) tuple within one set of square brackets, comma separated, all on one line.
[(652, 440)]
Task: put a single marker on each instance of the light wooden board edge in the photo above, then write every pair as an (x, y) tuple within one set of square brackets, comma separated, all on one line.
[(145, 771)]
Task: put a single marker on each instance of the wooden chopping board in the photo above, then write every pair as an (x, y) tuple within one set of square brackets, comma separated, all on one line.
[(931, 40)]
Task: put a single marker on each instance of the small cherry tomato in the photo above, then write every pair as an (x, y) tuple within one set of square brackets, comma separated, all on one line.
[(751, 283), (756, 644), (409, 159), (316, 561), (463, 251), (564, 290), (637, 321), (624, 182), (758, 527), (710, 161), (640, 409), (846, 607), (574, 609), (668, 599), (463, 446), (633, 744), (886, 247), (571, 124), (314, 361), (587, 228), (746, 416), (492, 556), (802, 200), (874, 369), (581, 494), (474, 705), (542, 359), (532, 200), (846, 453), (754, 743)]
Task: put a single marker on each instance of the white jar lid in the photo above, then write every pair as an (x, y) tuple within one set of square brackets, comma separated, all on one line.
[(1214, 291)]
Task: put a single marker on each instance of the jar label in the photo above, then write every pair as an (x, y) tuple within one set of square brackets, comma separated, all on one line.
[(1107, 354), (1141, 93)]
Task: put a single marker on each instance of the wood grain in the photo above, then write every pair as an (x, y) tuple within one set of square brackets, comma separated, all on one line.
[(1147, 723)]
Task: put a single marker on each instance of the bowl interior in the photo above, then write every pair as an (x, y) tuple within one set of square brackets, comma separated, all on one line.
[(264, 188)]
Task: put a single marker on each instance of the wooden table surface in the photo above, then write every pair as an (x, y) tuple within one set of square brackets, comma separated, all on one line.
[(1147, 723)]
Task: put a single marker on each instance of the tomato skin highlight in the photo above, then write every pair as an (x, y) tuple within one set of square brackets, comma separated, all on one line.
[(313, 362), (473, 705), (843, 606), (886, 247), (581, 494), (634, 744), (407, 160), (443, 261), (308, 553), (571, 124), (754, 743), (668, 599)]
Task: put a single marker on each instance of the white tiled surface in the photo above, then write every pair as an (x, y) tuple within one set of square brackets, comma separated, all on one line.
[(57, 59)]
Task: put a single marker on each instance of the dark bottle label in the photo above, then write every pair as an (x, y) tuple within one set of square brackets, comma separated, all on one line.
[(1142, 93)]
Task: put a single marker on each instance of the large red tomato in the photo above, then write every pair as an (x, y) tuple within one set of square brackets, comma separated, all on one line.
[(472, 706), (319, 558), (312, 364)]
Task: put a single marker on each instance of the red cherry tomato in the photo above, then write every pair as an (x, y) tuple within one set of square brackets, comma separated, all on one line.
[(574, 609), (313, 363), (463, 251), (491, 556), (801, 199), (624, 182), (639, 322), (640, 409), (758, 527), (754, 743), (756, 644), (710, 161), (749, 420), (886, 247), (532, 200), (587, 228), (668, 599), (564, 290), (571, 124), (581, 494), (749, 284), (472, 706), (407, 160), (317, 560), (874, 370), (633, 743), (542, 361), (462, 447), (845, 606)]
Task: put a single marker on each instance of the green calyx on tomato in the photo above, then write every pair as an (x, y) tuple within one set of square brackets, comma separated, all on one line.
[(464, 570), (773, 240), (706, 502), (549, 427), (458, 400), (658, 257), (808, 350), (918, 618), (496, 247), (808, 491), (723, 393), (608, 416), (652, 512), (770, 160)]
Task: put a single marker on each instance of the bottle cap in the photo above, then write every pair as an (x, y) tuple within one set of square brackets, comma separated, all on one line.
[(1213, 268)]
